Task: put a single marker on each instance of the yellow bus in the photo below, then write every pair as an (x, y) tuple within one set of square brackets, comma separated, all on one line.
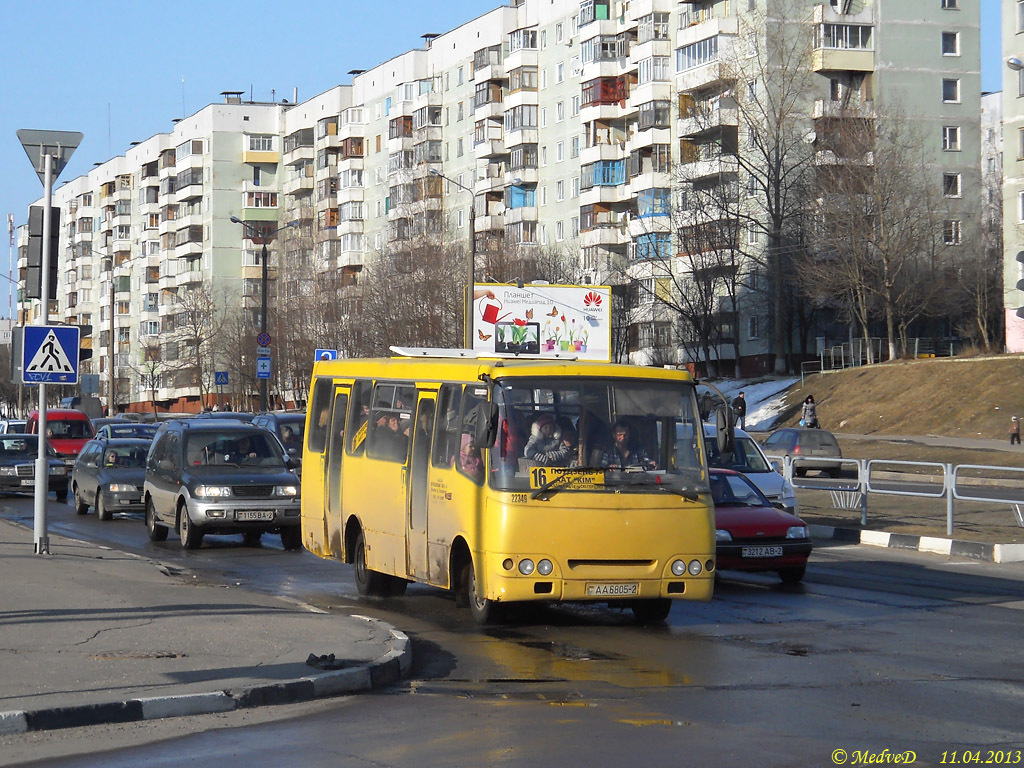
[(510, 480)]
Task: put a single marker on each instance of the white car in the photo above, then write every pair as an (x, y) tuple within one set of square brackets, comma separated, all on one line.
[(748, 458)]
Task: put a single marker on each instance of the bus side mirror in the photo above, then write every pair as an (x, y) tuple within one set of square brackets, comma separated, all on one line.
[(724, 430), (486, 425)]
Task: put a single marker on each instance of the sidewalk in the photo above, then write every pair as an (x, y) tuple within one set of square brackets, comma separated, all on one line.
[(93, 635)]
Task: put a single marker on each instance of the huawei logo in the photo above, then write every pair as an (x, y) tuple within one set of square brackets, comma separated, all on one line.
[(592, 300)]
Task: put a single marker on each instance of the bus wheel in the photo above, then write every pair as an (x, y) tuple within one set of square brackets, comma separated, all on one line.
[(291, 537), (484, 611), (651, 611), (368, 583), (396, 587)]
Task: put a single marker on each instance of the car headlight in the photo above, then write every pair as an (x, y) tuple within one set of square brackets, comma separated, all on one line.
[(8, 471), (797, 532), (722, 535), (61, 470), (286, 490), (212, 491), (787, 492), (123, 488)]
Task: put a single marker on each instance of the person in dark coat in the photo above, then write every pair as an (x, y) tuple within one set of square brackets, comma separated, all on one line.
[(739, 410), (809, 415)]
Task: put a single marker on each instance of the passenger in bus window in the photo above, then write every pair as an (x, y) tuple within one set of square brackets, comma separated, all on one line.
[(470, 460), (391, 442), (570, 440), (545, 446), (623, 452)]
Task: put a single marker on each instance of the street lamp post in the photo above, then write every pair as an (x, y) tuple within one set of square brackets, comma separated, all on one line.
[(467, 306), (264, 236)]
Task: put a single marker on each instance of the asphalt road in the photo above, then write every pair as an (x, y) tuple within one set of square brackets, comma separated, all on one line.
[(878, 649)]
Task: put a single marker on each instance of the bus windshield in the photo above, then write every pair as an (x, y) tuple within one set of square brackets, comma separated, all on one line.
[(631, 435)]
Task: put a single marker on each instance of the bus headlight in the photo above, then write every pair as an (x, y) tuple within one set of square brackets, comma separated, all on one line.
[(526, 566), (544, 567), (695, 567), (678, 568)]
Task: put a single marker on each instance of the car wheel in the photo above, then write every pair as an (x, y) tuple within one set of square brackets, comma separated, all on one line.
[(368, 583), (101, 509), (80, 506), (190, 535), (62, 494), (156, 531), (834, 472), (291, 537), (792, 575), (252, 538), (482, 610), (651, 611), (800, 471)]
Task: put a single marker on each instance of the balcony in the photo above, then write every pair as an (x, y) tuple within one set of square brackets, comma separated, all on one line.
[(258, 156), (525, 213), (300, 154), (300, 183), (616, 151), (604, 195), (842, 60), (698, 119), (492, 223)]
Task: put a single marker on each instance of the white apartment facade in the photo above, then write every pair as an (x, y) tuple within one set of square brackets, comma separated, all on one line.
[(560, 125)]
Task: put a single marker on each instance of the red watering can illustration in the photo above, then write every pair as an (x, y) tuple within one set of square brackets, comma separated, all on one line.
[(489, 309)]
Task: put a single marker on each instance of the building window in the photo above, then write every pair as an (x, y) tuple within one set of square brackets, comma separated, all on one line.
[(950, 5), (697, 54), (951, 232), (261, 143), (1020, 15), (951, 185), (951, 138), (559, 191), (752, 327), (950, 43), (951, 90)]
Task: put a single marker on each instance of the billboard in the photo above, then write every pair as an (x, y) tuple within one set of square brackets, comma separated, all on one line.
[(543, 320)]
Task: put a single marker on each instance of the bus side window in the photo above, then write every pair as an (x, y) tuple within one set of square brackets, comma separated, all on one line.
[(358, 417), (323, 390), (446, 426)]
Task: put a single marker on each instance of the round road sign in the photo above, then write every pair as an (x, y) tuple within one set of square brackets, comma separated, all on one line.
[(263, 339)]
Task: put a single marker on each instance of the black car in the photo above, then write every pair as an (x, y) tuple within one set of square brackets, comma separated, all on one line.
[(109, 475), (289, 426), (18, 455), (239, 415), (220, 476)]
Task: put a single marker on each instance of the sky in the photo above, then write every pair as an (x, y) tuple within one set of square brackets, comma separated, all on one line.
[(120, 72)]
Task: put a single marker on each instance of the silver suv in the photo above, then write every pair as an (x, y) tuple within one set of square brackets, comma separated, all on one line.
[(220, 476)]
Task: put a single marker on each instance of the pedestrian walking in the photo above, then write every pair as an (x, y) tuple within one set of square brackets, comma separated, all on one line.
[(739, 409), (809, 416), (1014, 431)]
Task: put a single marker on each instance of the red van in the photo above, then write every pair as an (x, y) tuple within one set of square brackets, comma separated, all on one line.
[(69, 430)]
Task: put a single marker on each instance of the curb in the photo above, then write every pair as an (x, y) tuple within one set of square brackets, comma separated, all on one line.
[(386, 670), (994, 553)]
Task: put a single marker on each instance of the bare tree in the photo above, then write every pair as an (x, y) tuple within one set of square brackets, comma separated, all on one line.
[(197, 327), (149, 369)]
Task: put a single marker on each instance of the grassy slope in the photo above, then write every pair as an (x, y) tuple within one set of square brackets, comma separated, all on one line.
[(958, 397)]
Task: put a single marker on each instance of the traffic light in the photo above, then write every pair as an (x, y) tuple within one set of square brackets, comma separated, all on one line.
[(34, 276)]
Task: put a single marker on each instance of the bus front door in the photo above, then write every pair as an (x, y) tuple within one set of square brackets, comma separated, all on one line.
[(334, 521), (416, 514)]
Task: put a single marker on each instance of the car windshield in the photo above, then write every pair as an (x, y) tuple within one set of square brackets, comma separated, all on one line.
[(125, 456), (253, 448), (59, 429), (744, 457), (21, 447), (635, 435), (736, 491)]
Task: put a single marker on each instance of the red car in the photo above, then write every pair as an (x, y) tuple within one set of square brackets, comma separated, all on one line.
[(751, 534)]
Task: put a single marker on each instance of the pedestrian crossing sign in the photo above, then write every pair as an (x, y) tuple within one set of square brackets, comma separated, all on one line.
[(50, 354)]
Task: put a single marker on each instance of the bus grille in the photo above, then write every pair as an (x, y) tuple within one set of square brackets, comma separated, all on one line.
[(611, 563)]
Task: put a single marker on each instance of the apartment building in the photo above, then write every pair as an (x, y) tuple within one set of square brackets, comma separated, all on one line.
[(544, 124), (1013, 173)]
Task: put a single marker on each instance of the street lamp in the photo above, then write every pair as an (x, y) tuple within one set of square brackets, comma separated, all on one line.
[(263, 233), (470, 266)]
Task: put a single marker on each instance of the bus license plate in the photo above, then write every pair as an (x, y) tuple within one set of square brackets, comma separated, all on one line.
[(255, 514), (28, 481), (613, 590), (761, 552)]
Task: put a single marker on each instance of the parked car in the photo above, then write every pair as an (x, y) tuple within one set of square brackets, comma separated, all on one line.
[(748, 458), (815, 448), (18, 455), (751, 534), (102, 420), (127, 429), (289, 426), (13, 426), (220, 476), (239, 415), (67, 430), (109, 475)]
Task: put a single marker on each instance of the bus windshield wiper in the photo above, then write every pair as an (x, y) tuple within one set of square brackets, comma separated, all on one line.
[(634, 476)]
